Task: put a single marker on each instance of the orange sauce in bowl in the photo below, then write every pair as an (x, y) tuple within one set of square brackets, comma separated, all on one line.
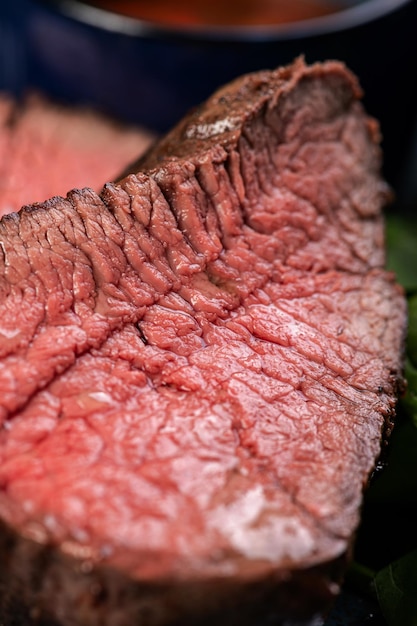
[(222, 12)]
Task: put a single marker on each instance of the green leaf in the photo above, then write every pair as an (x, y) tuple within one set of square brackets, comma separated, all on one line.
[(401, 236), (396, 588)]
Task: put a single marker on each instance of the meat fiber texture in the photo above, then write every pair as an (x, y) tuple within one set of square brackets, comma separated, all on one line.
[(46, 149), (198, 367)]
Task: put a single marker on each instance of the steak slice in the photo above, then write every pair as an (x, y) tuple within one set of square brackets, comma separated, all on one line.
[(46, 149), (199, 366)]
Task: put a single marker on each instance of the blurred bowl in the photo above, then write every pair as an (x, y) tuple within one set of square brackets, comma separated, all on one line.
[(151, 73)]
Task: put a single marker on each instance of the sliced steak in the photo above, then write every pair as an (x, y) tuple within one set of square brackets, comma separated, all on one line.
[(198, 367), (46, 149)]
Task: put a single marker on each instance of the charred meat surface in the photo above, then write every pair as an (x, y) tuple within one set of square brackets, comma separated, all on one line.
[(198, 366)]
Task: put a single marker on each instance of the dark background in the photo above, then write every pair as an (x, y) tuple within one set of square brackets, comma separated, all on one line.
[(155, 78)]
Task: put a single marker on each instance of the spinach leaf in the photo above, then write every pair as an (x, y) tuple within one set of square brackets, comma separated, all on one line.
[(396, 588), (401, 238)]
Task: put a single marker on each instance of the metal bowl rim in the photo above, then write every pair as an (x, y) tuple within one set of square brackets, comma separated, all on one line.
[(345, 19)]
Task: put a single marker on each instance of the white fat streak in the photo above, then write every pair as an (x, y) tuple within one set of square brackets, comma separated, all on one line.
[(273, 538)]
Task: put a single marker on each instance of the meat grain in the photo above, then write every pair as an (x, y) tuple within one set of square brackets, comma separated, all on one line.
[(47, 148), (198, 367)]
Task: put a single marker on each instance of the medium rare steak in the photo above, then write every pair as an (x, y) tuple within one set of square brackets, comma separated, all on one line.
[(198, 367), (46, 149)]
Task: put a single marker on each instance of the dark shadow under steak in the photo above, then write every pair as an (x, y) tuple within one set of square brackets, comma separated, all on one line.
[(197, 367)]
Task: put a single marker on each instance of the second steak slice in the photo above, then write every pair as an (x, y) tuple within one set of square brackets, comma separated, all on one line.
[(198, 365)]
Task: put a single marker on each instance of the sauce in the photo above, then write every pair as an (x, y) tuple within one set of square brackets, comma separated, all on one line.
[(221, 12)]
